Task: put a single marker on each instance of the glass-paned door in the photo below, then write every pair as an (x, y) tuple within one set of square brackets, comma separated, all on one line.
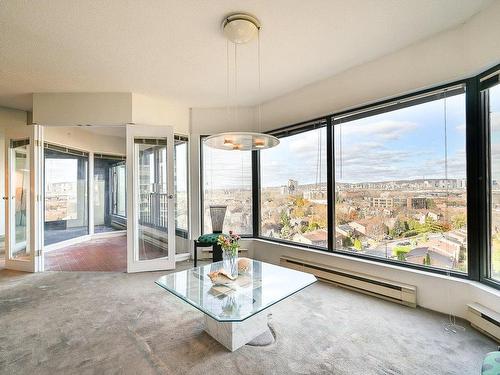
[(19, 199), (151, 204), (23, 203)]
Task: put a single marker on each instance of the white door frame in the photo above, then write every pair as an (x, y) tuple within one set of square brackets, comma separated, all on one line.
[(34, 203), (133, 262)]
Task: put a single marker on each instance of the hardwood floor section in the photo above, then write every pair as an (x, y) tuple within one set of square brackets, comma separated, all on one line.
[(107, 254)]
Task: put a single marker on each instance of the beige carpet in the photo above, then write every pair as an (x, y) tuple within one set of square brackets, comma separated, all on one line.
[(115, 323)]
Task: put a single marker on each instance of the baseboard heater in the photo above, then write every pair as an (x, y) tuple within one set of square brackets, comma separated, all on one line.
[(484, 320), (389, 290)]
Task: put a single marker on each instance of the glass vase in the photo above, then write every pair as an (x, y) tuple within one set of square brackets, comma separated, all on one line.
[(230, 262)]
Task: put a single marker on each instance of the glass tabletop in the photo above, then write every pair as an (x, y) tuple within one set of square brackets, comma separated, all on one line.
[(262, 286)]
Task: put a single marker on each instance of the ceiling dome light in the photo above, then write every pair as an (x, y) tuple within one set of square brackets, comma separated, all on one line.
[(240, 28)]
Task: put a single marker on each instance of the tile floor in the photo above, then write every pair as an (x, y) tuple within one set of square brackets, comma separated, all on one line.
[(107, 254)]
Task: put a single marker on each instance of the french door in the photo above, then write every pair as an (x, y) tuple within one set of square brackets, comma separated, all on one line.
[(151, 200), (24, 207)]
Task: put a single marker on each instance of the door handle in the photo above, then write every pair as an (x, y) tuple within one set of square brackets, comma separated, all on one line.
[(170, 196), (5, 198)]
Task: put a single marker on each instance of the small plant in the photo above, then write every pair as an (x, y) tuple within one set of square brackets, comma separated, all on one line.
[(229, 243)]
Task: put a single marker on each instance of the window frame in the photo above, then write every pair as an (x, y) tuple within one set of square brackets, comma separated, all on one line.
[(484, 81), (181, 232), (366, 111), (201, 195), (477, 176), (287, 132)]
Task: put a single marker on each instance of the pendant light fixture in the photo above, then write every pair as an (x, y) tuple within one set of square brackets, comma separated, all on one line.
[(240, 28)]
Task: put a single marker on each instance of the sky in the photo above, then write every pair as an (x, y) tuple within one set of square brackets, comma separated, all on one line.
[(495, 131), (404, 144), (408, 143), (60, 170)]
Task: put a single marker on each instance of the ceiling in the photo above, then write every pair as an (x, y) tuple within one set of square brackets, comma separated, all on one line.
[(175, 49)]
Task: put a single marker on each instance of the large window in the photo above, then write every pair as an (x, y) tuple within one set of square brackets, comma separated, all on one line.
[(391, 181), (66, 194), (227, 180), (400, 183), (119, 190), (109, 193), (294, 190), (494, 121), (181, 185)]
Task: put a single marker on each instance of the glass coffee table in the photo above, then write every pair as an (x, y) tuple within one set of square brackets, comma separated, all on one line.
[(234, 313)]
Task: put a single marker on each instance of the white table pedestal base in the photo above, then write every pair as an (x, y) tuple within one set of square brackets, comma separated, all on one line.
[(234, 335)]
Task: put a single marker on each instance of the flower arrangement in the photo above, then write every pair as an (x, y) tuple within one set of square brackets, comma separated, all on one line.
[(229, 243)]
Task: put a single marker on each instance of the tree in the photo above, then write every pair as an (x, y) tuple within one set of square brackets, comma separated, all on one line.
[(357, 244), (285, 225), (400, 226), (400, 252), (427, 260), (430, 203), (459, 221), (284, 219), (347, 242)]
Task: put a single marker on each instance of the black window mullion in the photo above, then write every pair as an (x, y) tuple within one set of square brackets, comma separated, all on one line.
[(476, 180), (484, 256), (330, 183), (255, 193)]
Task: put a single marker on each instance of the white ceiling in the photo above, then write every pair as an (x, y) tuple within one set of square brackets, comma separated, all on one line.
[(175, 49)]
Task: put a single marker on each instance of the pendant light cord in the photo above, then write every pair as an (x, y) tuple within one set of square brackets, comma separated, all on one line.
[(236, 83), (227, 80)]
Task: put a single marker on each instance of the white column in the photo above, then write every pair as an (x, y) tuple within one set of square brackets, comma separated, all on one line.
[(91, 193)]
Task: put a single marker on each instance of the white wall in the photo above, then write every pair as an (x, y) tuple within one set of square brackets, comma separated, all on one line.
[(148, 110), (108, 109), (208, 121), (81, 139), (448, 56), (69, 109)]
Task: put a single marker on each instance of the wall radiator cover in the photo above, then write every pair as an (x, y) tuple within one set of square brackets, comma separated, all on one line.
[(374, 286), (484, 320)]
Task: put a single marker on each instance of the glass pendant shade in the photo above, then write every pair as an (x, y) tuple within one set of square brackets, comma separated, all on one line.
[(241, 141)]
